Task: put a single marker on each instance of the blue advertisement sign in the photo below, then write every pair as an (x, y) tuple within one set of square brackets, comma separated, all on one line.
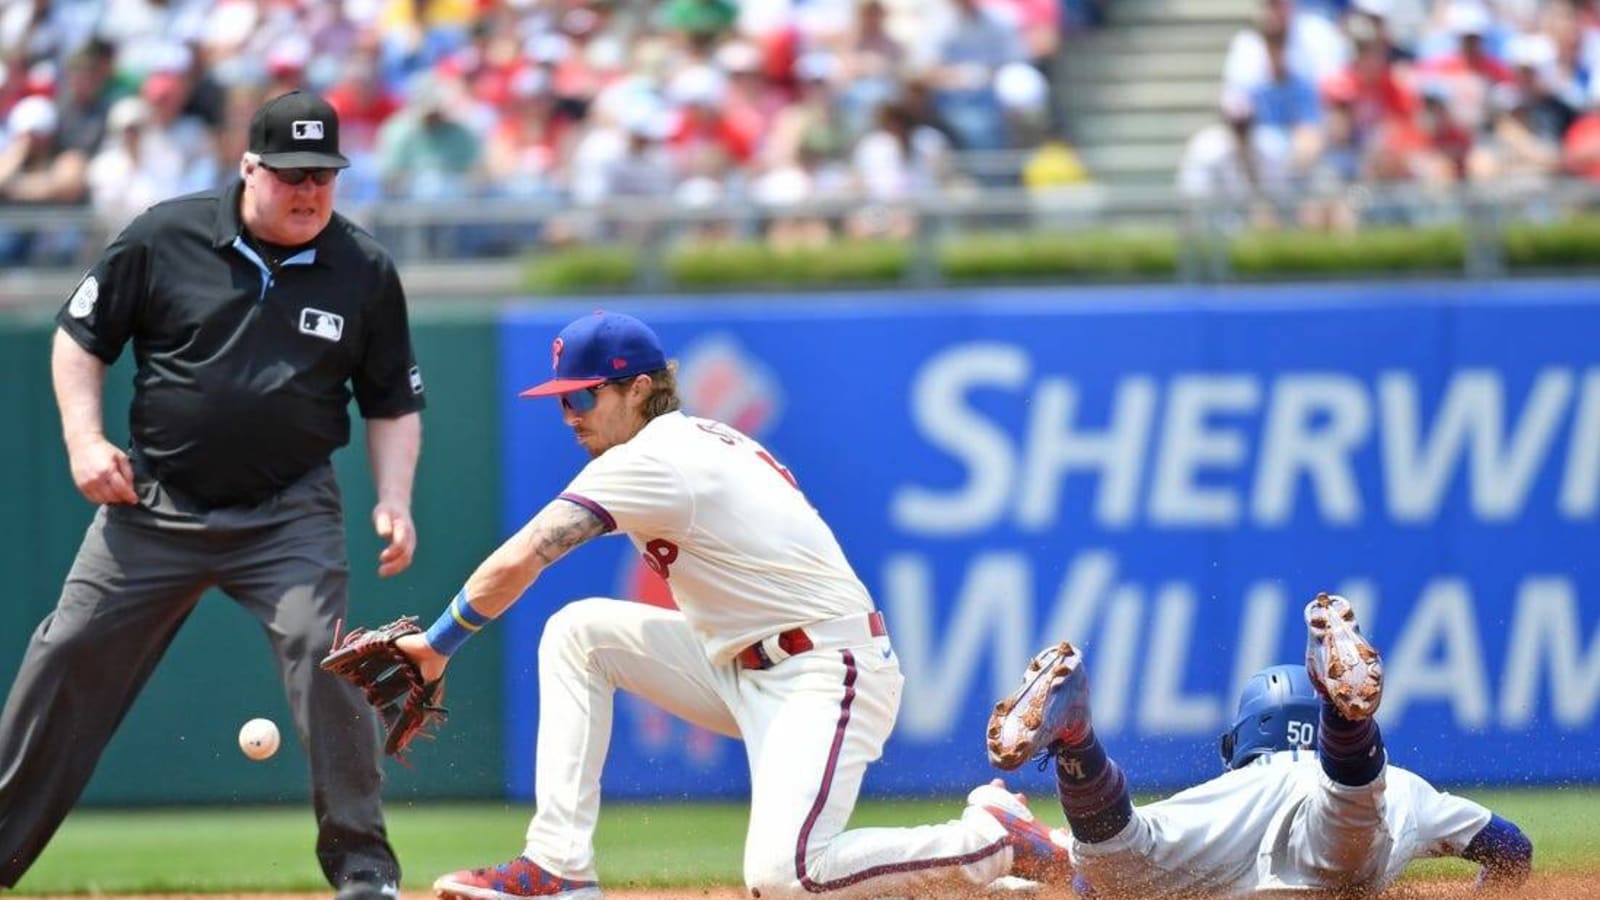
[(1162, 475)]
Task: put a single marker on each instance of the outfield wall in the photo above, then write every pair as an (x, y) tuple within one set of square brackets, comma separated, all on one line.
[(1163, 474)]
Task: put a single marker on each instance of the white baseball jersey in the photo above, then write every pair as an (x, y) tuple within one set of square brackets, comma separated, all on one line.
[(1280, 824), (747, 557), (715, 514)]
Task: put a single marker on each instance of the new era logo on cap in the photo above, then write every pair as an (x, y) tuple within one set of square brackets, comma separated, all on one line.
[(304, 130)]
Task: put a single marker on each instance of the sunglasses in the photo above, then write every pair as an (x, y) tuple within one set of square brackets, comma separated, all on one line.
[(584, 399), (296, 177)]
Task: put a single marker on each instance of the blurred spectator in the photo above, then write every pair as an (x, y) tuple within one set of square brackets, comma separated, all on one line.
[(416, 34), (1442, 131), (814, 176), (175, 137), (1080, 15), (491, 57), (1024, 98), (1040, 22), (35, 169), (708, 135), (1569, 77), (1535, 66), (1466, 75), (1430, 148), (1513, 153), (29, 32), (1372, 83), (1401, 22), (1234, 163), (750, 93), (893, 165), (1340, 167), (364, 102), (1053, 165), (1580, 151), (232, 139), (1316, 49), (86, 98), (704, 18), (424, 153), (1288, 104), (813, 121), (644, 168), (286, 65), (980, 41), (870, 65), (525, 152), (123, 179)]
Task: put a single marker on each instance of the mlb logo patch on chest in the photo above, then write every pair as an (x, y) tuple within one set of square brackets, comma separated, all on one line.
[(317, 323)]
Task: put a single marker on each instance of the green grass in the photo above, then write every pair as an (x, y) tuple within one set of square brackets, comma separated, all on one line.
[(269, 849)]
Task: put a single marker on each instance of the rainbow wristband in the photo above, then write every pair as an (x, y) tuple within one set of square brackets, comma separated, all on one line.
[(458, 622)]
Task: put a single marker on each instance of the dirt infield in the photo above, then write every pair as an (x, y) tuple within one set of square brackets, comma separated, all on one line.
[(1577, 886)]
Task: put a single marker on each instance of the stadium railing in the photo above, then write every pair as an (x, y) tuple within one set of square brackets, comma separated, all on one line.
[(956, 235)]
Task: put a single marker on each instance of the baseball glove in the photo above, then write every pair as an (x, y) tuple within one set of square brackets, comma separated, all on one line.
[(368, 659)]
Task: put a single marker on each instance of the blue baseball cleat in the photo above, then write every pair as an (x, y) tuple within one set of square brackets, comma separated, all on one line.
[(1051, 708), (1342, 666), (521, 877)]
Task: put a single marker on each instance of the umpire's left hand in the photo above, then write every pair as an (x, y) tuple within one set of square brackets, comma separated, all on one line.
[(393, 524)]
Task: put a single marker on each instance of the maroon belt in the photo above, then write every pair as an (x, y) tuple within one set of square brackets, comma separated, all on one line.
[(796, 641)]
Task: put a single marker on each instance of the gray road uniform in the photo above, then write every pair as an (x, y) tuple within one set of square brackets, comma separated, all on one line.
[(1279, 824)]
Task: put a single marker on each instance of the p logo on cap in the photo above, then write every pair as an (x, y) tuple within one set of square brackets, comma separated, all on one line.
[(603, 347)]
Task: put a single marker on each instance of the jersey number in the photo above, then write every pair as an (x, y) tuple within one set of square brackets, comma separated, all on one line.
[(776, 467), (717, 432)]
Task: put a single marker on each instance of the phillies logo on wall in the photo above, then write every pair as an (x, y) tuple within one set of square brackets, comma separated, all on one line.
[(555, 353)]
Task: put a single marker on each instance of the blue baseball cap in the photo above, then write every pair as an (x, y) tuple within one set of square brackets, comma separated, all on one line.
[(606, 346)]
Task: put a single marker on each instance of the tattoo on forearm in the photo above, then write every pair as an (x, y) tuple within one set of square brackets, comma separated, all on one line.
[(561, 526)]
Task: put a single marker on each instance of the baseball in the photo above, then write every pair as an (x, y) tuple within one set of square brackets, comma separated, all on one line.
[(258, 738)]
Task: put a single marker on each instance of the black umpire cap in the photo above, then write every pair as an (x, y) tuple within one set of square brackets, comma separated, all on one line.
[(297, 130)]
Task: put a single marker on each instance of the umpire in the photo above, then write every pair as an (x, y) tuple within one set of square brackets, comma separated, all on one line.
[(254, 311)]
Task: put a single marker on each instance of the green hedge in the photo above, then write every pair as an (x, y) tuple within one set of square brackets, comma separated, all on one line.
[(1573, 243), (750, 263), (1093, 254), (1127, 255), (1376, 250)]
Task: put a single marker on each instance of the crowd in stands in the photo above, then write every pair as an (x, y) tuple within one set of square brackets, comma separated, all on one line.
[(119, 103), (1353, 102)]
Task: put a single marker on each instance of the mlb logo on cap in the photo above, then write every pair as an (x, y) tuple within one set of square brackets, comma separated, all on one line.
[(603, 347), (297, 130)]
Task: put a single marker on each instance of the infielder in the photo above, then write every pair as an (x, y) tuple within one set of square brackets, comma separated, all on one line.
[(1283, 818), (775, 641)]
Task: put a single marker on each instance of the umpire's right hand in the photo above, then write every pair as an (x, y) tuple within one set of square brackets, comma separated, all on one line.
[(101, 471)]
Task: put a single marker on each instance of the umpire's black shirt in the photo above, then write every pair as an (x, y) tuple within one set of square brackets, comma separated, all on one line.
[(245, 368)]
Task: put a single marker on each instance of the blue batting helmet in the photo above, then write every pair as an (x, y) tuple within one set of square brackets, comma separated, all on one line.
[(1278, 710)]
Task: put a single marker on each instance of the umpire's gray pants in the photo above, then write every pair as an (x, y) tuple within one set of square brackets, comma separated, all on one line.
[(136, 578)]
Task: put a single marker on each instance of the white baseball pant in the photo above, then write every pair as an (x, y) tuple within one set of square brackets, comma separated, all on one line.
[(810, 725)]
